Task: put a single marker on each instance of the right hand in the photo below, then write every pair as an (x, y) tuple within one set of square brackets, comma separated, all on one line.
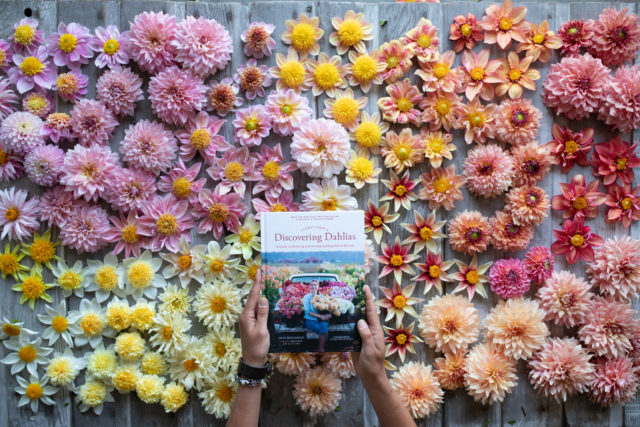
[(254, 335), (369, 363)]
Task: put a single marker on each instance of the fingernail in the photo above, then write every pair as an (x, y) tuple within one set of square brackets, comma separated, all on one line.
[(362, 324), (263, 302)]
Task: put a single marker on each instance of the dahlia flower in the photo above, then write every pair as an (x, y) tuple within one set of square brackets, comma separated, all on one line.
[(128, 234), (167, 219), (508, 278), (517, 121), (18, 216), (477, 120), (70, 45), (252, 78), (568, 147), (561, 368), (565, 298), (437, 146), (325, 75), (400, 340), (293, 363), (575, 86), (119, 89), (176, 95), (21, 132), (621, 106), (433, 271), (502, 23), (320, 148), (274, 174), (38, 103), (397, 301), (402, 150), (396, 259), (577, 199), (283, 203), (539, 42), (616, 37), (149, 146), (71, 86), (418, 389), (615, 270), (257, 40), (471, 277), (365, 69), (538, 262), (340, 364), (514, 76), (8, 98), (57, 127), (465, 31), (615, 381), (85, 230), (440, 110), (441, 187), (290, 71), (88, 171), (327, 195), (424, 232), (92, 123), (5, 55), (400, 190), (403, 103), (111, 46), (450, 370), (507, 235), (201, 136), (201, 45), (32, 72), (57, 205), (575, 35), (449, 323), (575, 241), (10, 166), (151, 37), (480, 73), (623, 203), (440, 76), (397, 58), (233, 169), (377, 220), (351, 32), (317, 391), (287, 110), (615, 159), (344, 109), (469, 232), (490, 375), (527, 205), (608, 328), (181, 182), (44, 165), (218, 211), (488, 170), (223, 96), (130, 189), (303, 35), (423, 40), (26, 37)]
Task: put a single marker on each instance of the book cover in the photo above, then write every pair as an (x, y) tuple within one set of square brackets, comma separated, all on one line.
[(313, 276)]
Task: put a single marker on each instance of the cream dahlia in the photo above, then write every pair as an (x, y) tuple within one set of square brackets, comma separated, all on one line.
[(449, 323), (489, 374), (418, 388)]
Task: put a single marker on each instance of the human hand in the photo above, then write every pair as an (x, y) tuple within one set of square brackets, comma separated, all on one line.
[(254, 335), (369, 362), (326, 317)]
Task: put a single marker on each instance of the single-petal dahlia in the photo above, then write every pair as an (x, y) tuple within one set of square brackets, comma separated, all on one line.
[(320, 148), (18, 216), (397, 58), (402, 150), (437, 146), (378, 219), (223, 96), (575, 86), (621, 106), (527, 205), (440, 76), (561, 368), (57, 127), (615, 159), (345, 109), (8, 98), (616, 37), (502, 23), (608, 327), (325, 75), (480, 73), (397, 301), (615, 381), (327, 195), (517, 121), (568, 147), (88, 171), (85, 229), (532, 163), (400, 340), (151, 37), (575, 241), (365, 69), (465, 31), (351, 32), (615, 270), (167, 219), (317, 391), (283, 203), (565, 298), (418, 389), (10, 166), (423, 40), (182, 183), (490, 375), (202, 46), (92, 122), (623, 203), (251, 124), (403, 104), (274, 174), (119, 89), (6, 55), (575, 35), (440, 110), (395, 258), (489, 170), (433, 271), (508, 278), (539, 42), (252, 78), (290, 71), (424, 232), (69, 46), (176, 95), (44, 164), (57, 205), (71, 86), (538, 263), (33, 72), (471, 277), (469, 232), (257, 40), (303, 34), (219, 211), (128, 234), (449, 323), (287, 110), (26, 37), (38, 103), (130, 189), (201, 136), (449, 370), (233, 169), (149, 146), (21, 132), (441, 187), (111, 46), (477, 120), (400, 190), (514, 75), (508, 236), (577, 199)]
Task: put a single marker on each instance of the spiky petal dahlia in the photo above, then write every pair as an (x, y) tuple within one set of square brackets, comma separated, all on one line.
[(119, 89), (469, 232), (527, 204), (150, 41), (321, 148), (202, 46), (176, 95), (575, 241), (518, 121), (441, 187), (616, 37), (449, 323), (615, 381), (317, 391), (489, 170), (561, 368), (608, 328), (450, 370), (615, 269), (418, 388), (615, 159), (489, 374), (575, 86), (568, 147), (8, 98), (92, 123), (508, 278), (538, 263), (565, 298)]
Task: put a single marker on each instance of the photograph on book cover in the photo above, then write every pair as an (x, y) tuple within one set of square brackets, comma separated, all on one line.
[(313, 277)]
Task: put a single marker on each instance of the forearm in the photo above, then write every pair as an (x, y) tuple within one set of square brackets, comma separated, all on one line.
[(246, 407), (390, 410)]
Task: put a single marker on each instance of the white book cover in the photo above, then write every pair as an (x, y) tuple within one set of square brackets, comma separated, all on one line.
[(313, 275)]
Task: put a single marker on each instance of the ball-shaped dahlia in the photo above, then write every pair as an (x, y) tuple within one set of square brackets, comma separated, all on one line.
[(615, 270), (92, 122), (561, 368), (44, 165), (532, 162), (317, 391), (87, 171), (615, 381), (616, 37), (517, 121), (516, 327), (418, 388), (538, 263), (321, 148), (620, 106), (86, 228), (21, 132), (575, 86), (489, 170), (608, 328), (149, 146), (469, 232), (489, 374), (150, 41), (202, 46), (508, 278), (176, 95), (565, 298), (528, 204), (450, 370), (449, 323), (119, 89)]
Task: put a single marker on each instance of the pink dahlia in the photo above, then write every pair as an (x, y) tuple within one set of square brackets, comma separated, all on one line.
[(71, 86), (403, 104), (26, 37), (423, 40), (540, 42), (257, 39), (182, 182), (439, 75), (283, 203), (565, 298), (85, 229), (568, 147), (202, 46), (223, 96), (615, 159), (575, 87), (615, 270), (149, 146), (608, 328), (616, 37), (8, 98), (253, 79), (517, 121), (34, 71), (480, 74), (18, 216), (130, 189), (70, 45), (57, 127), (465, 31), (275, 174), (615, 381), (489, 170), (10, 166), (119, 89), (502, 23), (112, 47), (128, 234), (233, 169), (514, 75), (166, 219), (440, 110), (538, 263), (251, 124), (578, 200), (219, 212), (176, 95), (201, 136), (508, 278), (441, 187), (477, 120), (561, 368), (92, 123), (320, 148), (38, 103), (507, 235), (88, 171), (469, 232), (43, 165), (621, 106), (57, 205), (288, 111), (6, 55), (623, 203), (21, 132), (575, 241), (151, 37), (528, 204), (575, 35), (397, 58)]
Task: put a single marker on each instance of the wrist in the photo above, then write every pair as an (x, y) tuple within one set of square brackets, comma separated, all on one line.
[(255, 361), (378, 381)]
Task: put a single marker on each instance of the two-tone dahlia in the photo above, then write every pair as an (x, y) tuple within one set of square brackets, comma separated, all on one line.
[(527, 205), (471, 277), (377, 220), (328, 195), (615, 159), (418, 389), (400, 340), (202, 46), (149, 146), (402, 150), (440, 75), (616, 37), (111, 46), (395, 259), (437, 146), (57, 127), (287, 110), (465, 31), (92, 122), (623, 203), (517, 121), (167, 219), (469, 232), (151, 36), (403, 104), (608, 327), (449, 323), (397, 301), (615, 270), (538, 262), (253, 79), (489, 170), (222, 96), (400, 190), (565, 298), (615, 381), (119, 89), (440, 110), (44, 164), (477, 120), (257, 40), (575, 35), (433, 271), (397, 58), (38, 103), (424, 232), (71, 86), (21, 132), (568, 147), (441, 187), (320, 148), (88, 171), (508, 236), (489, 374), (423, 40)]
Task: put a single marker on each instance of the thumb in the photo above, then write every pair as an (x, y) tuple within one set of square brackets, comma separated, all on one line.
[(365, 333), (262, 313)]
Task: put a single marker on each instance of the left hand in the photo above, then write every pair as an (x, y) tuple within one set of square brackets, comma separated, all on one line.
[(254, 334)]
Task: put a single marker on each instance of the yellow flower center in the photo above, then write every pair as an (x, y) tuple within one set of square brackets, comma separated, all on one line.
[(9, 263), (111, 46), (106, 277), (216, 265), (245, 235), (33, 391), (434, 271), (441, 185), (42, 251), (350, 32), (514, 75), (477, 73), (27, 354), (376, 221), (67, 42), (181, 187), (329, 204), (364, 68), (443, 106), (200, 139), (190, 365), (218, 304), (345, 110), (11, 330), (31, 66), (440, 70), (286, 109), (129, 233), (570, 147), (140, 274), (4, 157), (166, 224), (436, 145), (24, 35), (167, 333), (505, 24), (424, 41), (271, 170), (399, 301), (401, 339), (253, 270), (326, 75), (218, 212), (404, 104), (224, 393), (472, 277), (361, 168), (292, 74), (426, 233), (251, 125), (396, 260), (465, 29), (59, 324), (33, 287), (392, 62), (621, 163), (184, 262), (476, 119), (91, 324), (579, 203), (577, 240), (219, 349), (70, 280), (368, 134), (303, 36), (402, 151), (234, 171), (538, 38), (278, 207), (36, 102), (626, 203)]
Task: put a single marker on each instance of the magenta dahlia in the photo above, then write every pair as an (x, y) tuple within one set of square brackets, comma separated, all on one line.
[(176, 95), (616, 37), (615, 270), (44, 164), (88, 171), (92, 123), (149, 146), (508, 278), (119, 89), (615, 159), (151, 36), (85, 229)]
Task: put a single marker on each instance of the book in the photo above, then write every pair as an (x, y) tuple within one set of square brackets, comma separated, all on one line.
[(313, 276)]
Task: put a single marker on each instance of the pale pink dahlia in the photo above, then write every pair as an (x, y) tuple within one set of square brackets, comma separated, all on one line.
[(38, 103), (403, 104), (615, 270), (71, 86), (202, 46), (57, 205), (489, 170), (340, 364), (151, 38), (119, 89), (283, 203), (288, 111), (317, 391), (8, 98), (251, 124), (21, 132), (69, 46), (181, 181), (253, 79), (565, 298), (130, 189), (418, 389), (33, 72), (508, 236), (127, 234), (517, 121), (561, 368), (502, 23), (615, 381), (233, 169), (57, 127), (167, 219), (257, 39), (92, 123), (449, 323), (616, 37), (320, 148), (88, 171), (575, 87), (111, 46), (275, 174), (609, 327), (176, 95), (450, 370), (149, 146), (219, 211), (18, 216), (85, 229), (477, 120), (10, 166), (43, 165), (490, 375), (508, 278), (538, 263), (441, 187), (293, 363), (201, 136), (621, 104)]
